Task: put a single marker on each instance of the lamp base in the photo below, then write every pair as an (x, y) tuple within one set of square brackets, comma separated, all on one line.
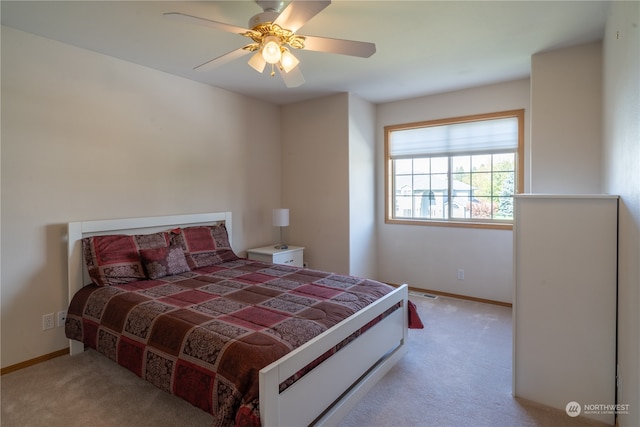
[(281, 246)]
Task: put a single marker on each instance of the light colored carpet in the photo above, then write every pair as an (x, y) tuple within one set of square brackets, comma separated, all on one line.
[(457, 373)]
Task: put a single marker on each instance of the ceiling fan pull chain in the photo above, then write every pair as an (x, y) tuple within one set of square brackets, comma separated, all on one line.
[(273, 72)]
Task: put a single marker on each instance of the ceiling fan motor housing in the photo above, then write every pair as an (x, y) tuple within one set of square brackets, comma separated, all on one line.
[(270, 5), (261, 18)]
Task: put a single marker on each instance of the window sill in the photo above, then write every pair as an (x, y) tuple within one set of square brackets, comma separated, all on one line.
[(454, 224)]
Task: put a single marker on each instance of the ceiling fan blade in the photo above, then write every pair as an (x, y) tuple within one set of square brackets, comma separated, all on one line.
[(344, 47), (297, 13), (221, 60), (177, 16), (293, 78)]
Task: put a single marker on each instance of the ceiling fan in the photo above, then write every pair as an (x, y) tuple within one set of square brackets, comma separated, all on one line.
[(273, 33)]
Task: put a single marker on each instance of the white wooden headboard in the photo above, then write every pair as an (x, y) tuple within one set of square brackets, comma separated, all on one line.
[(77, 275), (77, 270)]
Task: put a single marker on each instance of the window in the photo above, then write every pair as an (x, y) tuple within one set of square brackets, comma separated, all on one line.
[(462, 171)]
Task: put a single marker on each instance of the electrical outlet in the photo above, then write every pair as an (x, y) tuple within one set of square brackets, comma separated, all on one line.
[(460, 274), (47, 321), (62, 317)]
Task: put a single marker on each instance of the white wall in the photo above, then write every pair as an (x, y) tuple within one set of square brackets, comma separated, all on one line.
[(328, 182), (564, 317), (566, 117), (622, 176), (429, 257), (315, 179), (362, 188), (86, 136)]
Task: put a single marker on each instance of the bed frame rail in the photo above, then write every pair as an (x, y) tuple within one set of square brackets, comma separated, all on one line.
[(325, 394)]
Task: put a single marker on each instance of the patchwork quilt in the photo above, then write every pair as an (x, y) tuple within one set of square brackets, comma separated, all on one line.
[(205, 333)]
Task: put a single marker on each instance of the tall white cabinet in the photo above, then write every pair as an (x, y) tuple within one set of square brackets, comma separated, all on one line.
[(565, 300)]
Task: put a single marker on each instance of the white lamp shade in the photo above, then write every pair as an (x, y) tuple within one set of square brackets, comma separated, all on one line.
[(257, 62), (288, 61), (281, 217)]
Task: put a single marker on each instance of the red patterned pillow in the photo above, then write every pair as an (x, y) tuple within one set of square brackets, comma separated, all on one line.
[(166, 261), (204, 245), (115, 259)]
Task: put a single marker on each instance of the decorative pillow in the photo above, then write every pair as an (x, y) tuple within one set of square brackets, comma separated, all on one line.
[(114, 259), (204, 246), (160, 262)]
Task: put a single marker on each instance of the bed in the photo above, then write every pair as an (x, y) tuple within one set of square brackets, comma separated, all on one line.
[(250, 342)]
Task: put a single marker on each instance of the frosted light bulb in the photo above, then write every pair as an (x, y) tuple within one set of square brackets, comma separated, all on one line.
[(271, 50)]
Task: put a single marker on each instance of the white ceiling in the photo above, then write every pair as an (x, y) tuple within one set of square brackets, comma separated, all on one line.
[(423, 47)]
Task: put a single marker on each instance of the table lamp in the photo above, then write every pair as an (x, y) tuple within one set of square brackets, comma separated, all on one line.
[(281, 219)]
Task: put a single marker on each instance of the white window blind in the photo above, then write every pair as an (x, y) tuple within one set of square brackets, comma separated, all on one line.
[(465, 137)]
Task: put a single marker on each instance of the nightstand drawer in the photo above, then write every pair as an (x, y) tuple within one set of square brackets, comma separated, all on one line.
[(293, 255), (293, 258), (260, 257)]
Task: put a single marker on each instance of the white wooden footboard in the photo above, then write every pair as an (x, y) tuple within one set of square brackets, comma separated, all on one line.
[(329, 391)]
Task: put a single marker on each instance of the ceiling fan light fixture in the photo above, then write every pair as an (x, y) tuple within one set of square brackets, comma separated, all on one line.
[(273, 32), (288, 61), (257, 62), (271, 50)]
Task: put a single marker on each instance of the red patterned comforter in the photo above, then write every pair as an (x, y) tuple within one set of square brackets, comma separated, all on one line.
[(204, 335)]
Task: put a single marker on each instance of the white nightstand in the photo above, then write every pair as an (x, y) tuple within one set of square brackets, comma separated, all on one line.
[(293, 255)]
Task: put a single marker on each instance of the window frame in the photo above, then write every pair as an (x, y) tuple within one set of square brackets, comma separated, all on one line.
[(466, 222)]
